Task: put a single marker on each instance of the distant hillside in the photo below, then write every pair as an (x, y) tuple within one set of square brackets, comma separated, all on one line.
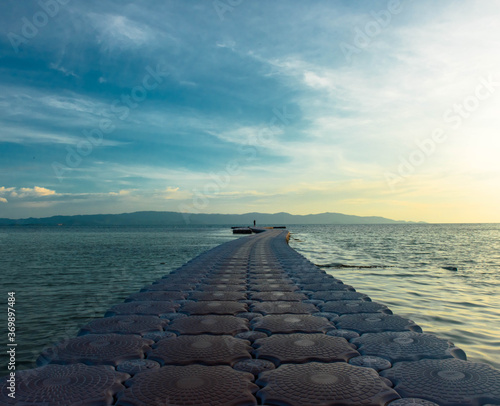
[(155, 218)]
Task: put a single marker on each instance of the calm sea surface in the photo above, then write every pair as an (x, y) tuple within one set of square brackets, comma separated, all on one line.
[(64, 277)]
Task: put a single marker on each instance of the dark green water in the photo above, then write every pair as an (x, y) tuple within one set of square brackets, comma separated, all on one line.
[(64, 277), (402, 266)]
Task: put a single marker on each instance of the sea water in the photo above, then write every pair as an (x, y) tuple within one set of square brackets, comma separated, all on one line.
[(63, 277), (445, 277)]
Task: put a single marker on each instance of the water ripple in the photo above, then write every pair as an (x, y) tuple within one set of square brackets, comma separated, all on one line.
[(402, 267)]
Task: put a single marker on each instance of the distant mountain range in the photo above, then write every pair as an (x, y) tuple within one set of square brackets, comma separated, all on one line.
[(160, 218)]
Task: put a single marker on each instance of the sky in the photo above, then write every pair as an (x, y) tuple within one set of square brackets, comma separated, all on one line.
[(384, 108)]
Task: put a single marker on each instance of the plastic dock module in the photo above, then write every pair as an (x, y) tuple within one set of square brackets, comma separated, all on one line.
[(137, 366), (447, 382), (354, 306), (220, 296), (292, 323), (190, 385), (96, 349), (64, 385), (252, 322), (278, 296), (210, 324), (201, 349), (213, 307), (300, 348), (324, 384), (409, 346), (375, 323), (278, 307)]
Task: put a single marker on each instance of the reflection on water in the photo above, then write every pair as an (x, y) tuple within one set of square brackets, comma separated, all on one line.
[(402, 266)]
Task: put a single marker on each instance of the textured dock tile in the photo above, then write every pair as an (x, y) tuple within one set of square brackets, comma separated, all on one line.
[(260, 280), (299, 348), (324, 384), (130, 324), (173, 316), (278, 307), (315, 302), (159, 335), (96, 349), (328, 295), (212, 307), (354, 306), (273, 287), (219, 268), (281, 296), (414, 402), (201, 349), (228, 269), (258, 274), (407, 346), (368, 361), (251, 335), (224, 296), (209, 325), (249, 315), (161, 296), (265, 267), (221, 287), (292, 323), (447, 382), (136, 366), (63, 385), (375, 323), (190, 385), (226, 280), (254, 366), (151, 307), (326, 315)]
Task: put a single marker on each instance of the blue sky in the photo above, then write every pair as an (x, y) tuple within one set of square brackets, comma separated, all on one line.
[(371, 107)]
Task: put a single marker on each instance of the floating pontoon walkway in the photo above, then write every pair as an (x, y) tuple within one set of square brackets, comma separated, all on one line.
[(252, 322)]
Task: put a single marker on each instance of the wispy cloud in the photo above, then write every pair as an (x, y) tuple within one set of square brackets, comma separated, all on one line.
[(353, 121), (26, 192), (175, 193)]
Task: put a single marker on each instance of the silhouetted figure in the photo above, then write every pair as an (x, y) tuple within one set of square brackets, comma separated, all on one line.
[(254, 223)]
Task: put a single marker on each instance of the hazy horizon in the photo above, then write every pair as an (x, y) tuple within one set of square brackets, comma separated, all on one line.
[(187, 215), (382, 108), (208, 214)]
